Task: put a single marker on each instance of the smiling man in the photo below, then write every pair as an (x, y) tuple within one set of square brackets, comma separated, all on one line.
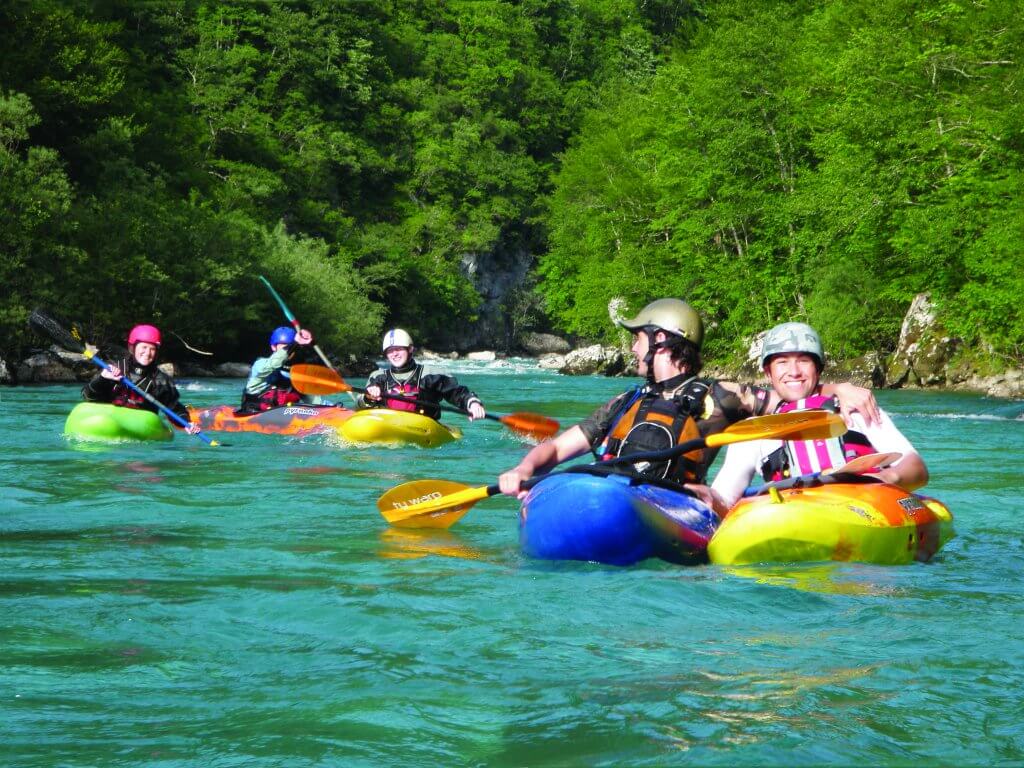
[(793, 358)]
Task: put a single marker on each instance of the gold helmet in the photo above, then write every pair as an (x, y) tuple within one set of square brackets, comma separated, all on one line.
[(670, 315)]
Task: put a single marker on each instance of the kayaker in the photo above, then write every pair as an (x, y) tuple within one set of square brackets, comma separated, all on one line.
[(409, 379), (793, 358), (141, 369), (672, 407), (269, 384)]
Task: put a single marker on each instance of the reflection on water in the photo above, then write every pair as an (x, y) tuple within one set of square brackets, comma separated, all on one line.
[(822, 578), (408, 543)]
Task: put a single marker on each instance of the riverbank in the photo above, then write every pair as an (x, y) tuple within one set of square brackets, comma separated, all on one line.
[(926, 357)]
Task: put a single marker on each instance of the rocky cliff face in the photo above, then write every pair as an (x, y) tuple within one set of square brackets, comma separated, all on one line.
[(496, 276)]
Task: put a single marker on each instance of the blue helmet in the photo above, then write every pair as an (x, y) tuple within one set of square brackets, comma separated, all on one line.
[(282, 335)]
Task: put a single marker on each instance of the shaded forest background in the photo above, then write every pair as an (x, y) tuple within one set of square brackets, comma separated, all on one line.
[(768, 161)]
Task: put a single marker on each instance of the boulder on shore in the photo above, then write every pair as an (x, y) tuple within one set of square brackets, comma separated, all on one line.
[(608, 361), (232, 370), (5, 373), (45, 367), (539, 344), (925, 349), (551, 361)]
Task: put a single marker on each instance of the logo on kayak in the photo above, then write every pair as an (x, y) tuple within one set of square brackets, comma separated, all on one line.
[(857, 510), (419, 500), (300, 411), (911, 504)]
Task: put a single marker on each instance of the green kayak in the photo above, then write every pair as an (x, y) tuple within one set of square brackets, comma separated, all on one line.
[(102, 421)]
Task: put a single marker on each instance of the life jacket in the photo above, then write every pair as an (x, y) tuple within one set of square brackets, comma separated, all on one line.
[(408, 388), (653, 423), (807, 457), (125, 397), (279, 393)]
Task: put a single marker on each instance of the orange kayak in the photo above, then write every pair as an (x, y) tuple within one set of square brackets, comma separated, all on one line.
[(288, 420), (868, 522)]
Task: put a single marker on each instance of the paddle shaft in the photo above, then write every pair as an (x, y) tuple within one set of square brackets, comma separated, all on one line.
[(149, 398), (292, 319)]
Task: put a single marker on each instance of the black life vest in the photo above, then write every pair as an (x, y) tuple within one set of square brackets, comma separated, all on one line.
[(653, 423), (408, 388)]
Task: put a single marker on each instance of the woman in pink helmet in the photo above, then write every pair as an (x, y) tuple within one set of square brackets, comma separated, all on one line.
[(140, 367)]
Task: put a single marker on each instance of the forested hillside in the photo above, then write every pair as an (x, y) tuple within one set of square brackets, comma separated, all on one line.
[(766, 160)]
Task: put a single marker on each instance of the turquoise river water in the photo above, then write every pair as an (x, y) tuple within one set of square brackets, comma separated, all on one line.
[(180, 605)]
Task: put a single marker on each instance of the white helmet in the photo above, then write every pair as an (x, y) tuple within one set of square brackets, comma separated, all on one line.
[(793, 337), (396, 337)]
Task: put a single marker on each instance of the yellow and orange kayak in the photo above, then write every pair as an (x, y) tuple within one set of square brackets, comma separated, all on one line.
[(288, 420), (868, 522), (382, 425)]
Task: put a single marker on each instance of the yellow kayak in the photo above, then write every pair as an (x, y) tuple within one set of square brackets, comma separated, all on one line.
[(854, 521), (382, 425)]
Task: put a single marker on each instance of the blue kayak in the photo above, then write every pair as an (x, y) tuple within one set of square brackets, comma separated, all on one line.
[(613, 519)]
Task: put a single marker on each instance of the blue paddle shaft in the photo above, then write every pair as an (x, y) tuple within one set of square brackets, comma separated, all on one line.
[(150, 399)]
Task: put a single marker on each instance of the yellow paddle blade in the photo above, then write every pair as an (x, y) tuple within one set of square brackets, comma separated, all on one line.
[(864, 463), (317, 380), (428, 503), (531, 425), (798, 425)]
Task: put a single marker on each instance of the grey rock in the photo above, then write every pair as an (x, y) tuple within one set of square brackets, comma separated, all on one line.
[(486, 356), (6, 376), (865, 371), (608, 361), (44, 367), (551, 361), (232, 370), (544, 343)]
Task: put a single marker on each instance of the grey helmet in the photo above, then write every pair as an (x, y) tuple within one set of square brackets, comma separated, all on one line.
[(792, 337), (670, 315)]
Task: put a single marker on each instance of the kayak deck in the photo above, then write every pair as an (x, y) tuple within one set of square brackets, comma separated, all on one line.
[(613, 519), (106, 422), (382, 425), (846, 521), (287, 420)]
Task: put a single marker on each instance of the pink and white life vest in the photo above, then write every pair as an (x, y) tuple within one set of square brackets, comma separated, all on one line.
[(807, 457)]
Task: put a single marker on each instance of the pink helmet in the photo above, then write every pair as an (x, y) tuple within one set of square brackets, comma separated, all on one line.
[(148, 333)]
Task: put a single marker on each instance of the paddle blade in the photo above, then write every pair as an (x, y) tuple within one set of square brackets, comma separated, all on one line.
[(428, 503), (317, 380), (531, 425), (865, 463), (798, 425), (45, 324)]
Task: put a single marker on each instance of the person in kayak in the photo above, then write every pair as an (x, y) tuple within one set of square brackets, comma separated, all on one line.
[(409, 379), (672, 407), (793, 358), (269, 384), (141, 369)]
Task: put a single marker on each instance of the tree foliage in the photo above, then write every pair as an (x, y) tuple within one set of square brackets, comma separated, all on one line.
[(822, 162), (768, 160)]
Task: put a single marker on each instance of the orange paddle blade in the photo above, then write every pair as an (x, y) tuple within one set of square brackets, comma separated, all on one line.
[(865, 463), (317, 380), (531, 425)]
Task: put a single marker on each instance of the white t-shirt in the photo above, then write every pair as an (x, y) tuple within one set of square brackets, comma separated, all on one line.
[(743, 460)]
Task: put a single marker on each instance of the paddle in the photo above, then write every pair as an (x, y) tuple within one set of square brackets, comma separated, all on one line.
[(428, 503), (47, 326), (317, 380), (865, 463), (291, 319)]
